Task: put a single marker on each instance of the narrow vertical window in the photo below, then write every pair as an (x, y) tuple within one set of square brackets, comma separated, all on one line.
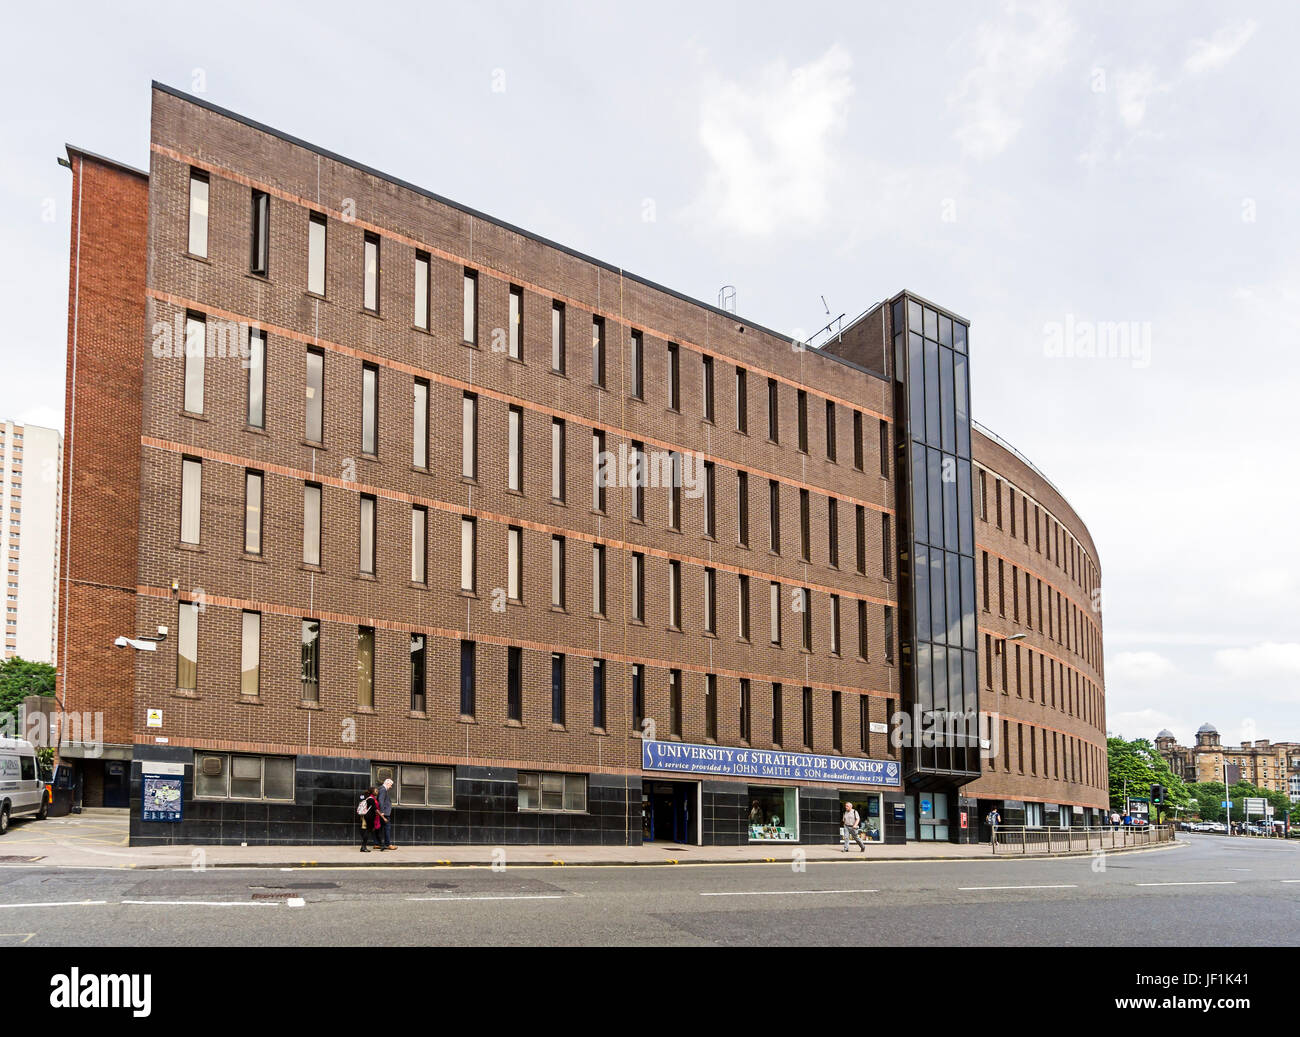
[(675, 702), (708, 388), (833, 531), (311, 523), (421, 295), (369, 409), (514, 562), (187, 646), (860, 537), (420, 425), (674, 377), (598, 351), (316, 254), (597, 470), (675, 493), (260, 238), (468, 678), (557, 459), (314, 431), (808, 718), (637, 365), (742, 401), (198, 240), (831, 447), (864, 723), (862, 629), (886, 546), (557, 572), (253, 513), (778, 725), (710, 501), (469, 436), (675, 594), (802, 414), (250, 655), (710, 601), (805, 609), (255, 413), (835, 624), (515, 333), (837, 721), (191, 498), (515, 683), (857, 440), (774, 516), (419, 544), (370, 286), (598, 694), (419, 672), (742, 508), (310, 643), (711, 706), (638, 695), (775, 613), (638, 586), (515, 474), (557, 689), (598, 579), (773, 422), (884, 447), (365, 668), (638, 480), (742, 606), (367, 528), (805, 525), (469, 329), (196, 345), (889, 634), (558, 358), (468, 554), (746, 710)]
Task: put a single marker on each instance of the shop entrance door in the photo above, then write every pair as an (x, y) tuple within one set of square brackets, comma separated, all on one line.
[(117, 786), (668, 812), (933, 816)]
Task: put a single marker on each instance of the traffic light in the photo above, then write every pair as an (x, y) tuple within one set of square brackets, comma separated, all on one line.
[(1157, 795)]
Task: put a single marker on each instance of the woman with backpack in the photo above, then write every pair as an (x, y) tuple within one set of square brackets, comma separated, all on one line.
[(368, 811)]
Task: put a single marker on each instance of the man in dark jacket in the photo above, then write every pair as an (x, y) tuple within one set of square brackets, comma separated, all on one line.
[(386, 815)]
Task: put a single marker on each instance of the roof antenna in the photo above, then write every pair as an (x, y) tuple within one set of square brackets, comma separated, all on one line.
[(827, 308)]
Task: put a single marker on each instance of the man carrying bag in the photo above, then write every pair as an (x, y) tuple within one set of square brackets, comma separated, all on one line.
[(851, 822)]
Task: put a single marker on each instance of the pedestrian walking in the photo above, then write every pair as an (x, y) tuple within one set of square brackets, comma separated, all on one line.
[(851, 821), (368, 812), (385, 798)]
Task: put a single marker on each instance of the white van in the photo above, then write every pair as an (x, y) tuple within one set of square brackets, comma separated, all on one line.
[(22, 792)]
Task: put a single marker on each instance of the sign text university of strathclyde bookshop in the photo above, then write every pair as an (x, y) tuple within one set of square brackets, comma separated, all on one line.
[(683, 757)]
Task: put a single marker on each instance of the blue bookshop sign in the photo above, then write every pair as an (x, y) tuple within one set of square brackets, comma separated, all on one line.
[(682, 757)]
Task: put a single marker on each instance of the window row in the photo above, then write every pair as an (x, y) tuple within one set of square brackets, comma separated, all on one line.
[(1051, 754), (1061, 621), (1078, 696)]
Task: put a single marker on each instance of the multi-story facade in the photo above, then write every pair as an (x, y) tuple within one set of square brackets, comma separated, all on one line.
[(1274, 766), (389, 513), (30, 470)]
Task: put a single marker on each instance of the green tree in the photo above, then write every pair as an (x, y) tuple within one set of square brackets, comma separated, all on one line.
[(20, 678), (1137, 765)]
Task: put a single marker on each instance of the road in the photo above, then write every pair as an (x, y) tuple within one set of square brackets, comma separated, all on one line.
[(1206, 890)]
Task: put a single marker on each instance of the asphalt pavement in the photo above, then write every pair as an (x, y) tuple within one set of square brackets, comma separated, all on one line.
[(1202, 890)]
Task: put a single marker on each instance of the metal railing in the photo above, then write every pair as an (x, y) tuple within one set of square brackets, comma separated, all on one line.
[(1013, 839)]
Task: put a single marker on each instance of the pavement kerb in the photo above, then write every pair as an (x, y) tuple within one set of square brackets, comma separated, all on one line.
[(661, 863)]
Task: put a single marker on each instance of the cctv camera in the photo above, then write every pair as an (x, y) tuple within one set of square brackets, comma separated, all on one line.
[(120, 643)]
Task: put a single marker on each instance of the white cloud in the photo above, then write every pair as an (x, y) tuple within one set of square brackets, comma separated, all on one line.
[(1013, 54), (1133, 88), (1207, 55), (1266, 659), (1140, 723), (1138, 667), (772, 145)]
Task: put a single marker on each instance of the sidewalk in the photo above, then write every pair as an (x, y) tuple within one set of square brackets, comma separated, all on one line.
[(99, 841)]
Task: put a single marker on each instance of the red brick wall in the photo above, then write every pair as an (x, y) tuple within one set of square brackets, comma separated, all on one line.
[(101, 453)]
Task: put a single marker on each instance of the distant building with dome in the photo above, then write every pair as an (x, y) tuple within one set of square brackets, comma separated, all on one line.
[(1266, 765)]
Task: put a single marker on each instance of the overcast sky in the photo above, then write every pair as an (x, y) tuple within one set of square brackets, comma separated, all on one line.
[(1047, 170)]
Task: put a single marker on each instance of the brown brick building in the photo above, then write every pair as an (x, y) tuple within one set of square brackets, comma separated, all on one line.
[(1274, 766), (370, 457)]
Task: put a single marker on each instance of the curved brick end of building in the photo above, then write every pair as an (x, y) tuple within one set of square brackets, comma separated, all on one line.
[(1040, 632)]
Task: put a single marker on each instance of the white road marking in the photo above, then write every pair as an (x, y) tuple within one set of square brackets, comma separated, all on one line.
[(782, 892), (296, 902), (1221, 882), (974, 888), (202, 903), (1291, 880), (60, 903), (540, 896)]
